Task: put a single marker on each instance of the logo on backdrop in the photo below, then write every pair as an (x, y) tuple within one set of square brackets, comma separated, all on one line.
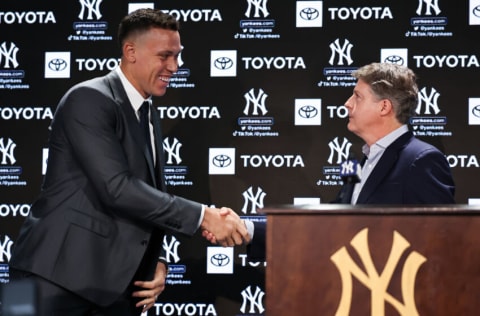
[(309, 14), (339, 74), (97, 64), (5, 254), (57, 64), (360, 13), (182, 308), (428, 22), (9, 174), (308, 112), (255, 200), (397, 56), (90, 26), (474, 111), (189, 112), (11, 78), (339, 151), (257, 23), (255, 122), (27, 17), (180, 78), (474, 12), (14, 210), (174, 173), (427, 121), (219, 260), (223, 63), (176, 270), (252, 302), (463, 161), (26, 113), (367, 274), (196, 15), (446, 61), (221, 161), (276, 161)]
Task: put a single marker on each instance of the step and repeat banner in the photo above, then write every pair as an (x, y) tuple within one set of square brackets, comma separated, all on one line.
[(254, 117)]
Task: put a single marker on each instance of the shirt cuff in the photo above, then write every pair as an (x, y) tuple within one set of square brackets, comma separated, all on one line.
[(250, 228)]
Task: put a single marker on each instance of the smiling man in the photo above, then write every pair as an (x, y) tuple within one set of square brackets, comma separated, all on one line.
[(93, 239)]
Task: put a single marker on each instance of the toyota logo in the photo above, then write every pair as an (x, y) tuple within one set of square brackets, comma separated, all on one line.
[(476, 111), (220, 260), (308, 111), (221, 161), (223, 63), (395, 59), (476, 11), (57, 64), (309, 14)]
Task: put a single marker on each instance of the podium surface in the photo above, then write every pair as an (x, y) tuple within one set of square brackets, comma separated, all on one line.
[(373, 260)]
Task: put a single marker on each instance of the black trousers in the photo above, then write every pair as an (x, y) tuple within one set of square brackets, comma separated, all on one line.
[(53, 300)]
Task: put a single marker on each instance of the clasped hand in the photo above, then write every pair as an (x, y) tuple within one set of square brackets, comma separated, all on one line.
[(223, 226)]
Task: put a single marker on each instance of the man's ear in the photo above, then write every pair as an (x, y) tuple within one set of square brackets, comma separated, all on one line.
[(386, 107), (128, 50)]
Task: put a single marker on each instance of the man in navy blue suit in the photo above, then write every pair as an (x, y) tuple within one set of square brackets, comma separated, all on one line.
[(399, 168)]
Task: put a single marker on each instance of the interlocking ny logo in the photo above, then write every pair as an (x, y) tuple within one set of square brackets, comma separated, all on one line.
[(8, 55), (92, 7), (257, 102), (378, 283), (173, 150), (256, 200), (342, 150)]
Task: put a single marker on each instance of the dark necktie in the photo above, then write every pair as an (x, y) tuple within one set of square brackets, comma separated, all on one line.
[(145, 126)]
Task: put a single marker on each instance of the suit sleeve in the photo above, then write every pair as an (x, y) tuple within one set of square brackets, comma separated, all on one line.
[(430, 180), (256, 249), (95, 133)]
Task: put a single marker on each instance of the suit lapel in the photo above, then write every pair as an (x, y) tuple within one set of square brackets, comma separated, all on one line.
[(383, 167), (157, 131), (121, 98)]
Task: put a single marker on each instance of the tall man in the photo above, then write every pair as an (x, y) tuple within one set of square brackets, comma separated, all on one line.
[(93, 237)]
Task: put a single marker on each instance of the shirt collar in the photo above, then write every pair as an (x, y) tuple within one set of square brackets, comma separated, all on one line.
[(387, 140), (135, 98)]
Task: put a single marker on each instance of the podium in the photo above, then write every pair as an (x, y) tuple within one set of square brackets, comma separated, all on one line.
[(344, 260)]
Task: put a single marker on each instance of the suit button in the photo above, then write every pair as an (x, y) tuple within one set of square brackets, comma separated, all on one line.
[(144, 242)]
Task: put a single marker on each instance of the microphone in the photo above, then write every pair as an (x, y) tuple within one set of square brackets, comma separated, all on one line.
[(350, 170)]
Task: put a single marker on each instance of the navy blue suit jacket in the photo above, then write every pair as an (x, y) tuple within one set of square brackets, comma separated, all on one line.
[(410, 171)]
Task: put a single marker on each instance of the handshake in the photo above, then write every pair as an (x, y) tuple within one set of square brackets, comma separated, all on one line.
[(223, 226)]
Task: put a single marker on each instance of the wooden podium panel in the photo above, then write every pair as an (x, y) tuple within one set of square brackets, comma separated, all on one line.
[(341, 260)]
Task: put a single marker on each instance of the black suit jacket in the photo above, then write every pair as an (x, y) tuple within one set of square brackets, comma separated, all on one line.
[(101, 208), (410, 171)]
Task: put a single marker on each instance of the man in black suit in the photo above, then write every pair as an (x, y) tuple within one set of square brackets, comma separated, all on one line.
[(92, 240), (399, 169)]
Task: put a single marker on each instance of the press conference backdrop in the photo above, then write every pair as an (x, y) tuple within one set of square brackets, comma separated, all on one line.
[(254, 116)]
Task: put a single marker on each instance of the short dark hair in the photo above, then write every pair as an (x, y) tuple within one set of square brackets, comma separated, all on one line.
[(393, 82), (142, 20)]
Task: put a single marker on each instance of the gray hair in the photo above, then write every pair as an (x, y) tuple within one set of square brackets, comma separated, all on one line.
[(393, 82)]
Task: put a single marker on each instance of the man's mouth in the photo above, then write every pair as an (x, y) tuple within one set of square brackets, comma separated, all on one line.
[(164, 79)]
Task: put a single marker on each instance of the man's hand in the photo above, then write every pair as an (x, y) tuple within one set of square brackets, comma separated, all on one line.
[(151, 289), (224, 226)]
